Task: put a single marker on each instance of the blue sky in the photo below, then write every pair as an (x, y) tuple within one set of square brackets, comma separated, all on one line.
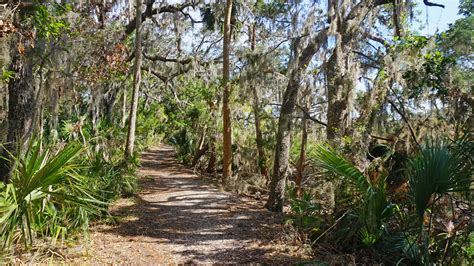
[(432, 19)]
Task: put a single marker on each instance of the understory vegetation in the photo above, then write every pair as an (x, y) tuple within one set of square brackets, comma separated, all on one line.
[(57, 189), (412, 222), (339, 114)]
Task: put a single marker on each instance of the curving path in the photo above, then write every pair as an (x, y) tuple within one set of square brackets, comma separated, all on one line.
[(179, 218)]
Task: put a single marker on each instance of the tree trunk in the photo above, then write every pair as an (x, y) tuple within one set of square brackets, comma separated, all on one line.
[(54, 83), (342, 71), (211, 165), (108, 102), (282, 148), (278, 183), (53, 106), (39, 120), (136, 83), (123, 121), (361, 138), (262, 161), (340, 86), (94, 109), (22, 110), (227, 124), (302, 160), (201, 148)]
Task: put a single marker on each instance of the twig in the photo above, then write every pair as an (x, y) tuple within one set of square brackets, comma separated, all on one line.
[(55, 253), (412, 132), (331, 227), (308, 116)]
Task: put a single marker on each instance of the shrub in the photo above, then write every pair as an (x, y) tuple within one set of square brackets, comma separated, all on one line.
[(45, 195)]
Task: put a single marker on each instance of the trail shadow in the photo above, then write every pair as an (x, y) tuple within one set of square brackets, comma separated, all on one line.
[(178, 209)]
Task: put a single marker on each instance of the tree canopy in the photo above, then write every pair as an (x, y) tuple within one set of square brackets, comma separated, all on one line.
[(338, 112)]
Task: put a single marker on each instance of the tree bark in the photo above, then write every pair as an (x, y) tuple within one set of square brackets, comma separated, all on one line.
[(302, 160), (285, 122), (201, 149), (123, 121), (262, 161), (340, 85), (136, 84), (341, 69), (108, 101), (361, 138), (211, 165), (53, 107), (53, 86), (22, 110), (227, 123)]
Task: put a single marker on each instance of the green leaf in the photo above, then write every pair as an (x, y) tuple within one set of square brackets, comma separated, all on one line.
[(326, 158)]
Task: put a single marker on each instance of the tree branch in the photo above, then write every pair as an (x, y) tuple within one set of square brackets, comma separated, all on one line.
[(308, 116), (366, 57), (150, 11), (378, 39), (412, 132), (164, 59), (428, 3), (168, 77)]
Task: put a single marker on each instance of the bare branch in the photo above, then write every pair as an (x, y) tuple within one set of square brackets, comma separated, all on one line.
[(167, 77), (308, 116), (428, 3), (164, 59), (150, 11), (378, 39), (412, 132), (366, 57)]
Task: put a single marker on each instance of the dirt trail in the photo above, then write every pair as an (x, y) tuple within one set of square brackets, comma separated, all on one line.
[(179, 218)]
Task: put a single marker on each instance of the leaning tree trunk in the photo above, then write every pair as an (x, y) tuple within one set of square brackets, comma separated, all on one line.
[(285, 123), (282, 148), (136, 83), (227, 124), (22, 110), (201, 148)]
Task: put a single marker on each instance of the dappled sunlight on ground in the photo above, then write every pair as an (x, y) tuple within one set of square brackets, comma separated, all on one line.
[(179, 218)]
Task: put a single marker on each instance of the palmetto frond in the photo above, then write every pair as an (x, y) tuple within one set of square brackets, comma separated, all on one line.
[(374, 207), (328, 159), (438, 170), (38, 176)]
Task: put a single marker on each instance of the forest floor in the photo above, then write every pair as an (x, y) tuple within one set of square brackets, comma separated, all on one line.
[(178, 217)]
